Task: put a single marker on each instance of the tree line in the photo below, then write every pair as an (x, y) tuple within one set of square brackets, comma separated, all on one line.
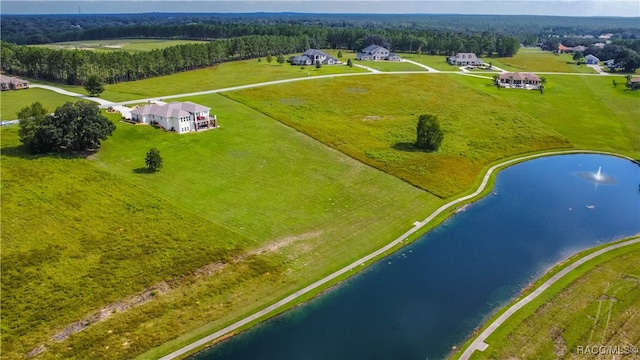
[(39, 29), (75, 66)]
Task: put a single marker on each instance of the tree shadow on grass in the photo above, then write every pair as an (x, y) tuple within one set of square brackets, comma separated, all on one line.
[(20, 151), (407, 147), (143, 170)]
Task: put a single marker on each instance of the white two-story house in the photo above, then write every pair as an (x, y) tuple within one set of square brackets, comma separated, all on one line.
[(181, 117)]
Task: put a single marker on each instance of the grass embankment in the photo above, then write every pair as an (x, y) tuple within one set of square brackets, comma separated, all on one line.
[(95, 231), (380, 129), (594, 305), (128, 45), (12, 101)]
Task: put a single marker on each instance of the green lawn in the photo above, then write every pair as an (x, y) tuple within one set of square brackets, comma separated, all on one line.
[(128, 45), (390, 65), (217, 77), (251, 183), (603, 295), (12, 101), (438, 62), (587, 110), (536, 60), (380, 128)]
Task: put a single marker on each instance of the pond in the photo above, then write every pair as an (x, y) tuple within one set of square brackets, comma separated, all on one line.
[(431, 294)]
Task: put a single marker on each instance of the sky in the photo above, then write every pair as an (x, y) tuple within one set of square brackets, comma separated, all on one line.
[(623, 8)]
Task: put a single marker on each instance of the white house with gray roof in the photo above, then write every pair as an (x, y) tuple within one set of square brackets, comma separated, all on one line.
[(312, 57), (464, 59), (181, 117), (377, 52)]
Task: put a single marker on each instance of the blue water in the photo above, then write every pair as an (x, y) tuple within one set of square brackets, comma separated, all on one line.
[(430, 295)]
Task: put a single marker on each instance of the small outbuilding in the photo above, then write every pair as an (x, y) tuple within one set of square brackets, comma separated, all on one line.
[(591, 60)]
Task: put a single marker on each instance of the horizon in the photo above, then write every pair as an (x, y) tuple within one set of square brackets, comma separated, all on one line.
[(559, 8)]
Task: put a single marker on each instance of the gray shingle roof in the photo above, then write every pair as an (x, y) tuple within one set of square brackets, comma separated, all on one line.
[(371, 48), (175, 109)]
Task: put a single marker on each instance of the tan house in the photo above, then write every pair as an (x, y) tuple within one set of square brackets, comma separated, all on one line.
[(12, 83), (519, 80)]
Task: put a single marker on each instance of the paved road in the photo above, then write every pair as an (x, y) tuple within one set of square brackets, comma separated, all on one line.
[(367, 68), (479, 344), (360, 262), (69, 93), (430, 69)]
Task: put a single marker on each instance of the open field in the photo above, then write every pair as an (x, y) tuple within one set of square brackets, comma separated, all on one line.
[(246, 214), (527, 59), (11, 102), (593, 306), (534, 59), (587, 110), (390, 65), (128, 45), (380, 129), (253, 185), (220, 76)]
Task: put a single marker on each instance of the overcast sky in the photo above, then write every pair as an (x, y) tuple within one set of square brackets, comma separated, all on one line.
[(520, 7)]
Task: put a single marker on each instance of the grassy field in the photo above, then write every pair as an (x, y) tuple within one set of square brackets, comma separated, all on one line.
[(390, 65), (12, 101), (251, 185), (128, 45), (604, 297), (525, 60), (535, 59), (587, 110), (380, 129), (217, 77), (245, 214)]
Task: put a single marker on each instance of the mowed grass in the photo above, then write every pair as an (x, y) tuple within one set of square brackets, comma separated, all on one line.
[(595, 309), (81, 233), (387, 66), (11, 102), (373, 119), (128, 45), (217, 77), (587, 110), (536, 60)]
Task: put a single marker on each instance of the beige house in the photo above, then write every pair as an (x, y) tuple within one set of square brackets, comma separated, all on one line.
[(12, 83), (519, 80)]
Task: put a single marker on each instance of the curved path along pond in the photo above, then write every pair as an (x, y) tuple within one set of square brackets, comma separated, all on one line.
[(431, 294)]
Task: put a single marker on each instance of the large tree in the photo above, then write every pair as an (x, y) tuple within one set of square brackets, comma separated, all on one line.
[(72, 127), (94, 85), (31, 121), (429, 134)]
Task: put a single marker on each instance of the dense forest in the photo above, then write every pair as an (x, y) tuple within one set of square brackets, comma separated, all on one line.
[(243, 36), (40, 29)]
